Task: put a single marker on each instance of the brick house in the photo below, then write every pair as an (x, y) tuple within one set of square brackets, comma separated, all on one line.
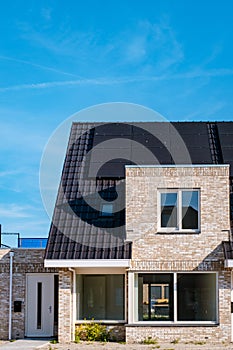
[(141, 236), (140, 227), (22, 274)]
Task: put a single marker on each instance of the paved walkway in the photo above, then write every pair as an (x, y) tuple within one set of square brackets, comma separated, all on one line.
[(32, 344), (117, 346), (24, 344)]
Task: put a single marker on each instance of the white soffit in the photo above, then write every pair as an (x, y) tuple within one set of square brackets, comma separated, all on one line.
[(87, 263)]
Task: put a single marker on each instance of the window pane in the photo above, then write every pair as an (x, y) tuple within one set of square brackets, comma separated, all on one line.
[(155, 296), (107, 209), (39, 304), (190, 209), (100, 297), (196, 297), (168, 209)]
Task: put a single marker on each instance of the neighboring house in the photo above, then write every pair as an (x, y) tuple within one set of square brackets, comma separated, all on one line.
[(138, 230), (28, 294), (140, 238)]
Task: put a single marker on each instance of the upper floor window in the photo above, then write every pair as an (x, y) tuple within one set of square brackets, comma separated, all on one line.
[(179, 210)]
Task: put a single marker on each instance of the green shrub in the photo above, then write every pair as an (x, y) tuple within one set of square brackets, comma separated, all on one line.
[(150, 340), (91, 332)]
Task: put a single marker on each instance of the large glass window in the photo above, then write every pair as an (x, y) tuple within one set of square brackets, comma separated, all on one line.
[(155, 296), (100, 297), (176, 297), (196, 297), (179, 210)]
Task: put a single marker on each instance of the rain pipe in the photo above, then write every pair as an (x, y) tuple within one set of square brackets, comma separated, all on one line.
[(73, 309), (10, 294)]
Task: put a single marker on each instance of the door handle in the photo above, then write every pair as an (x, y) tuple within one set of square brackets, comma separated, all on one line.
[(50, 309)]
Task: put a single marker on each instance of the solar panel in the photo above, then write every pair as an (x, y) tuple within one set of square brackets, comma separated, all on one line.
[(190, 128), (225, 128)]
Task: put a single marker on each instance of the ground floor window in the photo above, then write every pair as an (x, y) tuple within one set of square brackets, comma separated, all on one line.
[(100, 297), (176, 297), (196, 297), (155, 293)]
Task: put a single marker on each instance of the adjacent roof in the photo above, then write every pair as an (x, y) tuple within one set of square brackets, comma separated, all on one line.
[(228, 253), (94, 171)]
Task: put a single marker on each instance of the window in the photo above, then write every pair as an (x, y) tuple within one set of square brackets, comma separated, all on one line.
[(176, 297), (179, 210), (155, 295), (196, 297), (100, 297), (107, 210)]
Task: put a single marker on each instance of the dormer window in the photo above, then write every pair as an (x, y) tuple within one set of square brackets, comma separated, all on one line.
[(107, 209), (179, 210)]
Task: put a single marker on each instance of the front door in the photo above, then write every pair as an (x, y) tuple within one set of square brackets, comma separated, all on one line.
[(40, 305)]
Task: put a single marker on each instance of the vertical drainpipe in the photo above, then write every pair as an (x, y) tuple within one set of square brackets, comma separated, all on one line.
[(73, 310), (10, 294)]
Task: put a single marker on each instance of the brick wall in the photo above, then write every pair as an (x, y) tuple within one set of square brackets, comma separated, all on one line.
[(154, 251), (65, 323), (24, 261)]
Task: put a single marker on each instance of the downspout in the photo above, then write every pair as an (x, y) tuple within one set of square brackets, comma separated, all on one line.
[(10, 294), (73, 309)]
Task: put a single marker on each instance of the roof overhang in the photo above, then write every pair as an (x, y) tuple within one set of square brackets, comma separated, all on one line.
[(228, 253), (87, 263)]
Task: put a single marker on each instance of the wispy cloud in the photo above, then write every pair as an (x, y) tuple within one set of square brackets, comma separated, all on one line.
[(197, 73), (206, 111), (162, 47), (12, 59), (46, 13), (7, 173), (15, 211)]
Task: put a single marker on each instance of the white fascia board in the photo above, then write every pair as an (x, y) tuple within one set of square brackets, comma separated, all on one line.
[(87, 263), (178, 166), (228, 263)]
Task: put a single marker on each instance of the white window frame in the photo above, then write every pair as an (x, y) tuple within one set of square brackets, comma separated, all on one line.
[(178, 228), (133, 292)]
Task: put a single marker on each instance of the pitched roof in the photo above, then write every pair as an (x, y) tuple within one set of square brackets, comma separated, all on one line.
[(94, 172)]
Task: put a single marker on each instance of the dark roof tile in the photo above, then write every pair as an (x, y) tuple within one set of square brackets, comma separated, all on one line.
[(79, 230)]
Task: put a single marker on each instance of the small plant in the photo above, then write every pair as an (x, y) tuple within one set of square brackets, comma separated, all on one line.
[(149, 341), (91, 332), (50, 348), (53, 341), (199, 342), (175, 341)]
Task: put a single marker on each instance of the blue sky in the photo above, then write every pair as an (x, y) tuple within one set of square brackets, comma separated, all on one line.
[(58, 57)]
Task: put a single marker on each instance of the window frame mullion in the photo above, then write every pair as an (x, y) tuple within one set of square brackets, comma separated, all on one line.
[(175, 297)]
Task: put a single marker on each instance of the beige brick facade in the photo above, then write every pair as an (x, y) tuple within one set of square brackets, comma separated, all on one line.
[(24, 261), (65, 322), (156, 251)]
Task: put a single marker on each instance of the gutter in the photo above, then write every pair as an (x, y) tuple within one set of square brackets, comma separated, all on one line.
[(10, 294), (73, 309)]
